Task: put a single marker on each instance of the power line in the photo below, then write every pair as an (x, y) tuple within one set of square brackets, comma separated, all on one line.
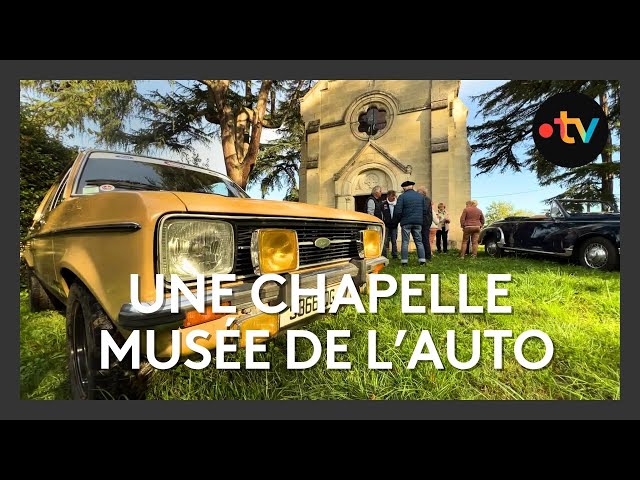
[(509, 194)]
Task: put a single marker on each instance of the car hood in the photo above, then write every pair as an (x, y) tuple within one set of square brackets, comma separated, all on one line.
[(215, 204)]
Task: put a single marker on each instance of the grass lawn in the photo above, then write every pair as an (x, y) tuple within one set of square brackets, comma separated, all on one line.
[(579, 309)]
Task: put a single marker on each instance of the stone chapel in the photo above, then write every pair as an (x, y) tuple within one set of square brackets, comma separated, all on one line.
[(362, 133)]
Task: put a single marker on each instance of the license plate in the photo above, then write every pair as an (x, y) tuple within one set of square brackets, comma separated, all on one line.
[(308, 307)]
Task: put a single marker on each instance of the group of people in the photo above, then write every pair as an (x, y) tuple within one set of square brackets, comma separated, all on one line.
[(414, 212)]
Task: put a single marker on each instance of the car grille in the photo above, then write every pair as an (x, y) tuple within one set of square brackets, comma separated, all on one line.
[(308, 231)]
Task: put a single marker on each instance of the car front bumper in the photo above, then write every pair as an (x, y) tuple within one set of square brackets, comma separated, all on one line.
[(163, 321)]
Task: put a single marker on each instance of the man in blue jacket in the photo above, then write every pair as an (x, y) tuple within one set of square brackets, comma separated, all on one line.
[(409, 212)]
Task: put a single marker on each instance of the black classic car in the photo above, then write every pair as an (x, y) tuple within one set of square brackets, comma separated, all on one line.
[(587, 231)]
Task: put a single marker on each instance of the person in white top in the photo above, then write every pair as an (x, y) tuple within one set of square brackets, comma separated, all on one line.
[(434, 227), (442, 218)]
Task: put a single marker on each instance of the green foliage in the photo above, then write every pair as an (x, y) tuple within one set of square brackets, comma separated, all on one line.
[(119, 115), (278, 162), (498, 210), (504, 141), (99, 107), (579, 182), (578, 308), (43, 354), (277, 166), (293, 195), (175, 121), (42, 159)]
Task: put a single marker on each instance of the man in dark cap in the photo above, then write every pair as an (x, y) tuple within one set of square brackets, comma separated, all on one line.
[(409, 212)]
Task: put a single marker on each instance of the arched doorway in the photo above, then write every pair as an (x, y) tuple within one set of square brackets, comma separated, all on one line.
[(360, 201), (355, 187)]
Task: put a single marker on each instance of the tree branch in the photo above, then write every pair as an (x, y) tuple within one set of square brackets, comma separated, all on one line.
[(272, 122), (256, 124)]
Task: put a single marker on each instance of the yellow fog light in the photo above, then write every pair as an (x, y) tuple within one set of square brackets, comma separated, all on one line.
[(371, 242), (263, 321), (274, 250)]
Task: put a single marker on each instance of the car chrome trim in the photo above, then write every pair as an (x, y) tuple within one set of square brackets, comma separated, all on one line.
[(214, 216), (159, 239), (596, 256), (104, 227), (567, 251), (341, 240), (241, 216), (557, 219), (130, 318), (59, 193)]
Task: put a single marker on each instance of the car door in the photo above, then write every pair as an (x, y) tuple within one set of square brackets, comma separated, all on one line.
[(555, 228), (532, 232), (57, 247), (40, 242)]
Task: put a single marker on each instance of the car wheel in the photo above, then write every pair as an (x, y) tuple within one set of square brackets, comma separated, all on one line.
[(85, 320), (39, 298), (491, 247), (598, 253)]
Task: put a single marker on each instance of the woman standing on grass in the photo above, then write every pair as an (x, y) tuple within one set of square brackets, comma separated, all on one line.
[(471, 221), (434, 226), (442, 233)]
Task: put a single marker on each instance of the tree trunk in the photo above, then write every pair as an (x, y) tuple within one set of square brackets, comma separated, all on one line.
[(606, 191), (239, 155), (256, 130), (219, 89), (272, 111)]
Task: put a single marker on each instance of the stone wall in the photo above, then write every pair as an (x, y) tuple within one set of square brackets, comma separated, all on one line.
[(425, 140)]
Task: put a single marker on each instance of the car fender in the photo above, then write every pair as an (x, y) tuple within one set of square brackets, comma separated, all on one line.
[(494, 230), (102, 240), (569, 237), (607, 231)]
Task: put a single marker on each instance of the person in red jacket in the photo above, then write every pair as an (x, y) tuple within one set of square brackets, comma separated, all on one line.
[(471, 221)]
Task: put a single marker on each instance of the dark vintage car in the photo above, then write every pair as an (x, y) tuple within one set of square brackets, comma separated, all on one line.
[(587, 231)]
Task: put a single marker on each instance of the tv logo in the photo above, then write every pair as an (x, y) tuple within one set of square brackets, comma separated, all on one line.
[(564, 121), (572, 145)]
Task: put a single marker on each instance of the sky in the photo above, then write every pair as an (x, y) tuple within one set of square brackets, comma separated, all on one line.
[(519, 188)]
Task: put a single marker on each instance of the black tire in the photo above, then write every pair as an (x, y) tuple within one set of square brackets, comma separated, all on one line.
[(85, 319), (39, 298), (598, 253), (491, 247)]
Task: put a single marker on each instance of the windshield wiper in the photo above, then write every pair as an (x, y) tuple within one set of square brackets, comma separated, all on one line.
[(123, 183)]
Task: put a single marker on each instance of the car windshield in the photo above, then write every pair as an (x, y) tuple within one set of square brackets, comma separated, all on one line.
[(107, 174), (573, 207)]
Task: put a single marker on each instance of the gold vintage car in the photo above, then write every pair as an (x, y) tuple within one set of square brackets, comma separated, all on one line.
[(114, 214)]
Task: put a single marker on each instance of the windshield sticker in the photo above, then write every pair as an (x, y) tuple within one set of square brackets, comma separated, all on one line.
[(90, 189), (107, 188)]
